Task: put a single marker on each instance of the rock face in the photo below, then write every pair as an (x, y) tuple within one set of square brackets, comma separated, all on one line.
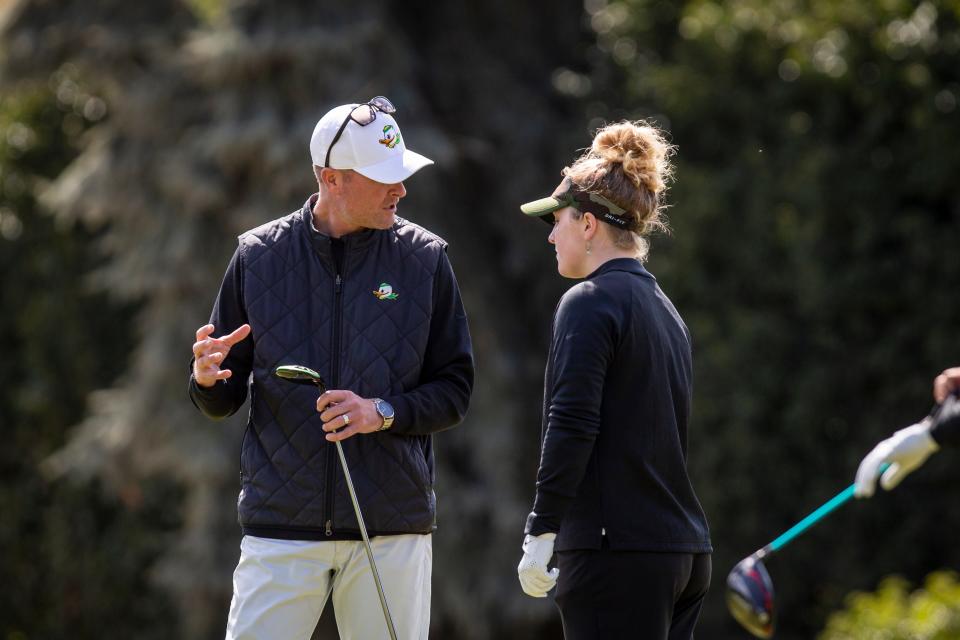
[(206, 117)]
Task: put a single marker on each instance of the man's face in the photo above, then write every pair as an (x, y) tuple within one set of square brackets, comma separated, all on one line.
[(369, 203)]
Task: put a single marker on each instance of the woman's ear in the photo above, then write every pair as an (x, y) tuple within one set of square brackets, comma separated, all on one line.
[(590, 224)]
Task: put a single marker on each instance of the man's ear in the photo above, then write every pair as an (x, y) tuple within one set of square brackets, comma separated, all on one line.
[(332, 179)]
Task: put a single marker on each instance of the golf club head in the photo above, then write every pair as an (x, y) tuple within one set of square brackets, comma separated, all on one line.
[(750, 596), (300, 375)]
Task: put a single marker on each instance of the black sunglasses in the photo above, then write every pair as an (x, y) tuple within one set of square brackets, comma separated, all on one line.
[(363, 115)]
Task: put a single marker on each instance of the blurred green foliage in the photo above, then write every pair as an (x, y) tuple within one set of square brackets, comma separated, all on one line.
[(893, 612), (71, 553)]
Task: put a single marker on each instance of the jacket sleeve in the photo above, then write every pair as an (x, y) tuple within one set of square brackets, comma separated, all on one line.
[(442, 396), (226, 396), (584, 340), (946, 423)]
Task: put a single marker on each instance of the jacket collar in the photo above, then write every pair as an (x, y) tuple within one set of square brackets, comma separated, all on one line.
[(629, 265)]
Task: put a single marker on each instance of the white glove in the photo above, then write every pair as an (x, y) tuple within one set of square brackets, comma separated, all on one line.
[(905, 450), (534, 577)]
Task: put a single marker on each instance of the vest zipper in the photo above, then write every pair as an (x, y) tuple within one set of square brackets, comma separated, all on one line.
[(334, 382)]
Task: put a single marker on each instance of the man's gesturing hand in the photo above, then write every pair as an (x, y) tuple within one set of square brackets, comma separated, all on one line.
[(348, 412), (209, 353)]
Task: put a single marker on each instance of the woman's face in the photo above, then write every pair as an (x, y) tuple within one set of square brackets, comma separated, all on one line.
[(567, 237)]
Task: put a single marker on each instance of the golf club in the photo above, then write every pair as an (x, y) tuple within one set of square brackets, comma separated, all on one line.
[(749, 587), (303, 375)]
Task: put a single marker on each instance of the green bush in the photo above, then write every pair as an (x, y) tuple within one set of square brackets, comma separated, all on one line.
[(893, 612)]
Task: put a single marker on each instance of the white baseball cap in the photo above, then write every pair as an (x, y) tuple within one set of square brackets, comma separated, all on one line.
[(375, 150)]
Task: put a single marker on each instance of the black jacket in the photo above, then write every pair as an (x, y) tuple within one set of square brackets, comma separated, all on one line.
[(617, 397), (412, 348)]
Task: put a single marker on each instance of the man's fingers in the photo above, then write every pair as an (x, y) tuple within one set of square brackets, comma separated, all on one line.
[(343, 434), (203, 340), (328, 398), (204, 332), (236, 335), (340, 421), (205, 343), (210, 359)]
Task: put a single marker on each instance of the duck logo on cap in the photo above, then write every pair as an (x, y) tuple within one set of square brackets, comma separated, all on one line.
[(390, 137), (385, 292)]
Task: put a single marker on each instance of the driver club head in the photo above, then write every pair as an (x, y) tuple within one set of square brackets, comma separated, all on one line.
[(750, 596), (299, 374)]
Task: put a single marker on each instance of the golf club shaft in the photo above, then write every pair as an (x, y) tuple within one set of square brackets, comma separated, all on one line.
[(825, 509), (366, 543)]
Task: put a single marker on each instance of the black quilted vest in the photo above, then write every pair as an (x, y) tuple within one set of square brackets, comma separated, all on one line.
[(357, 338)]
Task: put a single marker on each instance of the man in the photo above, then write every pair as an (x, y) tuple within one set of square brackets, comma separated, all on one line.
[(907, 449), (369, 300)]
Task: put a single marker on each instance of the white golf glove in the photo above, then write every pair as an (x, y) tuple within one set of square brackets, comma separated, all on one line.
[(534, 577), (905, 450)]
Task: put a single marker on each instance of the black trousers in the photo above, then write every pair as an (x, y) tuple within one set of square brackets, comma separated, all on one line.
[(631, 595)]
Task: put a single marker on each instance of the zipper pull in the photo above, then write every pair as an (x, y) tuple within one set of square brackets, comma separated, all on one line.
[(329, 530), (338, 285)]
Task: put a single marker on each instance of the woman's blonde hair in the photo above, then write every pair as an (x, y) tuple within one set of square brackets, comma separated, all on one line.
[(628, 164)]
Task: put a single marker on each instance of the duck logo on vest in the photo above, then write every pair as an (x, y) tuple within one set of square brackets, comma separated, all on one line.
[(385, 292)]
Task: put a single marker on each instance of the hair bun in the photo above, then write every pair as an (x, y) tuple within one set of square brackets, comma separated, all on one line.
[(640, 149)]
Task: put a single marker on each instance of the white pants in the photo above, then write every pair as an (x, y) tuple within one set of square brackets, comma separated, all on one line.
[(280, 588)]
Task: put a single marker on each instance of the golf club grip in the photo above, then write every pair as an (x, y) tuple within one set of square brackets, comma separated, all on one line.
[(812, 519)]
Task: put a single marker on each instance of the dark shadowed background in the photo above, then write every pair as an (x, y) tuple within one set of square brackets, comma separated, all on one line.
[(815, 215)]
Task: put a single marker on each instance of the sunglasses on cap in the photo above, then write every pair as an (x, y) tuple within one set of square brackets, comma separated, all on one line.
[(362, 114), (569, 195)]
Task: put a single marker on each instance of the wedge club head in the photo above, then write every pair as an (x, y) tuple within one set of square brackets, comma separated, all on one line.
[(300, 375), (750, 596)]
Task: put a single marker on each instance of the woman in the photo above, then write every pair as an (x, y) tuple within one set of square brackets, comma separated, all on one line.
[(613, 495)]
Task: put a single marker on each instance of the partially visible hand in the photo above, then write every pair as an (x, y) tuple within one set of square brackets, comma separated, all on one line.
[(905, 450), (209, 353), (348, 412), (945, 384), (535, 580)]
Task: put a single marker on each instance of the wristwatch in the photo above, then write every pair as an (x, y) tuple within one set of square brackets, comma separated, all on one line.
[(385, 409)]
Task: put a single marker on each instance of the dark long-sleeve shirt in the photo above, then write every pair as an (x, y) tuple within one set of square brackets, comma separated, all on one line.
[(617, 396)]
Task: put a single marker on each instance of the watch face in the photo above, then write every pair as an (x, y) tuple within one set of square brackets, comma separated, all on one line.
[(385, 409)]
